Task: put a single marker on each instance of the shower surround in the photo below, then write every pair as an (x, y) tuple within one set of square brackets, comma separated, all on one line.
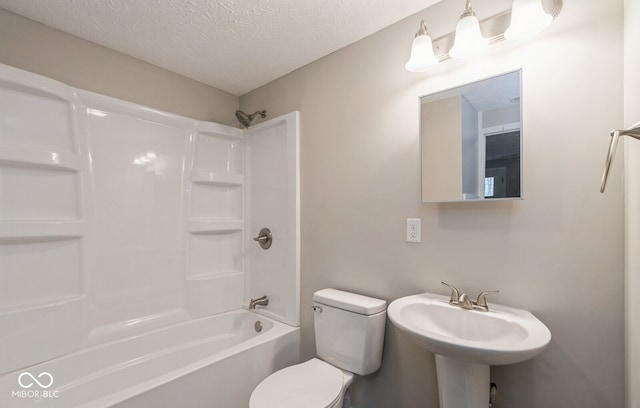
[(117, 219)]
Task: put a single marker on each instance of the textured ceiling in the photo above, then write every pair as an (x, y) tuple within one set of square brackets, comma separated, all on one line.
[(233, 45)]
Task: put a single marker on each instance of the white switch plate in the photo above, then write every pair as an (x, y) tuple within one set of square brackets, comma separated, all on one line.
[(414, 230)]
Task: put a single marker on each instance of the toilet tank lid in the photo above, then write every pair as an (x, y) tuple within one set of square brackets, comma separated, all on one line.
[(351, 302)]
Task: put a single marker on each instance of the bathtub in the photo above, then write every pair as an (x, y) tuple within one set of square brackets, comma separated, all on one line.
[(212, 362)]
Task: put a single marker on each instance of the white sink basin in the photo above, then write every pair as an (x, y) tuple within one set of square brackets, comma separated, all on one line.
[(503, 335)]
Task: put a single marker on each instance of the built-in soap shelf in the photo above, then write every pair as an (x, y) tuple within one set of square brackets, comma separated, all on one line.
[(21, 156), (219, 131), (39, 269), (31, 230), (39, 195), (42, 225), (217, 156), (215, 248), (41, 307), (220, 275), (216, 179), (215, 226), (215, 223)]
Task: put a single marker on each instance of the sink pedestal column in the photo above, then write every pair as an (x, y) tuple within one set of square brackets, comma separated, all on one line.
[(462, 385)]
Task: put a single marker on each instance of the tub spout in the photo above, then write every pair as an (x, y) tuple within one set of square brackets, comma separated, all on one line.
[(261, 301)]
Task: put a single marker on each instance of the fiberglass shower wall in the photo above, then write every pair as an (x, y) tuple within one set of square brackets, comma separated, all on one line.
[(114, 219)]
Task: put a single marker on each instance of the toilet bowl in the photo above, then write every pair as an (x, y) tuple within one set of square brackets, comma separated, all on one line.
[(313, 384), (349, 332)]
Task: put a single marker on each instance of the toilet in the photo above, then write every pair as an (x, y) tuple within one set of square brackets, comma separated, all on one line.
[(349, 337)]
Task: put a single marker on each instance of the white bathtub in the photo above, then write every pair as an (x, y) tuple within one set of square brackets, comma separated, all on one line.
[(212, 362)]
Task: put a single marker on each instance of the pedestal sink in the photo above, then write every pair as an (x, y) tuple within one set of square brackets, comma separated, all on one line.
[(467, 342)]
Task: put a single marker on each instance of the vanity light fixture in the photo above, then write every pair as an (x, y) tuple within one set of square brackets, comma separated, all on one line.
[(422, 56), (526, 18), (469, 40)]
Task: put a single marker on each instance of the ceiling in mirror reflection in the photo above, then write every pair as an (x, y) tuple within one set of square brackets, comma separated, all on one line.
[(494, 93)]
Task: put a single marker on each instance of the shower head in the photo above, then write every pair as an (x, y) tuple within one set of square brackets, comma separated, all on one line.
[(245, 120)]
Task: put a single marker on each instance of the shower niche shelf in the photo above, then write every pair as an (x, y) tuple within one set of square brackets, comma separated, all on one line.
[(37, 194), (42, 286), (219, 131), (216, 179), (20, 156), (215, 266), (51, 230), (40, 189), (216, 202), (42, 225), (199, 226), (40, 193), (215, 224), (218, 157), (37, 115)]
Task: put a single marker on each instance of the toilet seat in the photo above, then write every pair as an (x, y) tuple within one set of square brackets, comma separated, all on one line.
[(312, 384)]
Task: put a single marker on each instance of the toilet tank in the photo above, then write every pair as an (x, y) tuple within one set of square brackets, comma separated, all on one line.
[(349, 330)]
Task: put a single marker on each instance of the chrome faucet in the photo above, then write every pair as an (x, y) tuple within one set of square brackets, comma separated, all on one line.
[(261, 301), (465, 302)]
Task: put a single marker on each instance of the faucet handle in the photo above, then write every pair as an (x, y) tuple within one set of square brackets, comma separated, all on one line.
[(482, 298), (455, 293)]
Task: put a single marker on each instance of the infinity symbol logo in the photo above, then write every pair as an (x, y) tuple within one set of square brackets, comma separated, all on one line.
[(28, 383)]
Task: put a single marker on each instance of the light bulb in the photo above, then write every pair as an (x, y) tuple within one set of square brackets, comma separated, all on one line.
[(468, 40), (527, 18), (422, 56)]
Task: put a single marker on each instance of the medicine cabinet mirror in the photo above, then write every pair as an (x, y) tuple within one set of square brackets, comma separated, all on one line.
[(471, 141)]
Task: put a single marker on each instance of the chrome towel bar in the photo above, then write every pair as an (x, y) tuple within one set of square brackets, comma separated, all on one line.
[(633, 131)]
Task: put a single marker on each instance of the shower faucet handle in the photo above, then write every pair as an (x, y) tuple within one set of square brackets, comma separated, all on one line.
[(264, 238)]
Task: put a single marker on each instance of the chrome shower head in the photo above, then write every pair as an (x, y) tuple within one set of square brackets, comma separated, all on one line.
[(245, 120)]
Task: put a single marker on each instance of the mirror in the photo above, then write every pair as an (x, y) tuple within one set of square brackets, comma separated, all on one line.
[(471, 141)]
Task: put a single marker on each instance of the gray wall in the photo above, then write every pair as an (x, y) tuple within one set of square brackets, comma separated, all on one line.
[(557, 253), (35, 47)]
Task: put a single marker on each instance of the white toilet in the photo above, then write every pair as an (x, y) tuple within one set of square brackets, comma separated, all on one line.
[(349, 338)]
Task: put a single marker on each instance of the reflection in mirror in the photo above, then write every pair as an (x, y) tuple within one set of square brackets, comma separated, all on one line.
[(471, 141)]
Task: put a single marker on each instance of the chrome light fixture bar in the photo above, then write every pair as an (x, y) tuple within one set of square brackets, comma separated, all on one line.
[(526, 18)]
